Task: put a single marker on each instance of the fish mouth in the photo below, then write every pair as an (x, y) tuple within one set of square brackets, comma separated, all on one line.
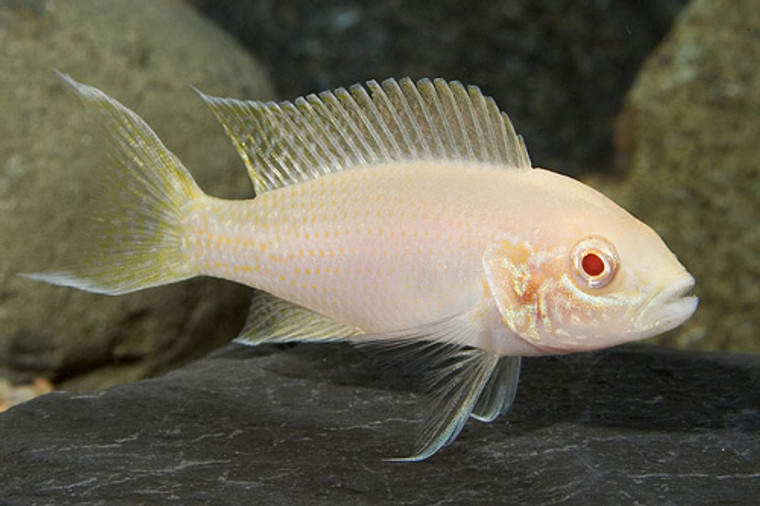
[(669, 308)]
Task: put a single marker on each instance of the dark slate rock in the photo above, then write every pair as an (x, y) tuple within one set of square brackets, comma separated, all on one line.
[(311, 425)]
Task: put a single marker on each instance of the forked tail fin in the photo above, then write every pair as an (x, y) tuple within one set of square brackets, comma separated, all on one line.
[(135, 237)]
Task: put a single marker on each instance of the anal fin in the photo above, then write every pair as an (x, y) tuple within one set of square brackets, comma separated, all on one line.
[(462, 380), (274, 320)]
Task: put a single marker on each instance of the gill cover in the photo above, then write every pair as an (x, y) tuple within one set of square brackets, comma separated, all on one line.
[(513, 273), (557, 299)]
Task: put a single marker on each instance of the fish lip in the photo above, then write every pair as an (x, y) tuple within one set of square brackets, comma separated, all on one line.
[(669, 307)]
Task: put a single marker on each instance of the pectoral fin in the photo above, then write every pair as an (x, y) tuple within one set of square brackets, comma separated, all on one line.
[(454, 388), (462, 379), (500, 391)]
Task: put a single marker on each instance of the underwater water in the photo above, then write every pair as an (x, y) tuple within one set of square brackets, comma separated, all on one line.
[(655, 104)]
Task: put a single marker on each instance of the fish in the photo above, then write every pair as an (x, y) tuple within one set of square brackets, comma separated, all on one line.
[(402, 214)]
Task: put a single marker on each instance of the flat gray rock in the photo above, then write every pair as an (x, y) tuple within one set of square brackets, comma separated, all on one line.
[(312, 424)]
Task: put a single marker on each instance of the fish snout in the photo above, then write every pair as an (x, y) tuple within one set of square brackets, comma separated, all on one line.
[(669, 307)]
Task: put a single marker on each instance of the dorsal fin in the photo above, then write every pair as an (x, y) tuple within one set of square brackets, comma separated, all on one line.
[(290, 142)]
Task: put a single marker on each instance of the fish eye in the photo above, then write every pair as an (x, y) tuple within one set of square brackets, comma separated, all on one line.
[(595, 262)]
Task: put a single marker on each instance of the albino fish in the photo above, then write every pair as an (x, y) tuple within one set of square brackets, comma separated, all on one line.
[(391, 213)]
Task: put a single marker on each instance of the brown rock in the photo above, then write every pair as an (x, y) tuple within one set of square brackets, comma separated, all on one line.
[(147, 54), (689, 139)]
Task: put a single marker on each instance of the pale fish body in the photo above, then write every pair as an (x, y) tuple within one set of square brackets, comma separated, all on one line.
[(396, 213)]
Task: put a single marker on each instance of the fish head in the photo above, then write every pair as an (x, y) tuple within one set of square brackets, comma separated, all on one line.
[(598, 281)]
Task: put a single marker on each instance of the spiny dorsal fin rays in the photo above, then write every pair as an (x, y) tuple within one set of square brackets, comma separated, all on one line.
[(407, 96), (402, 142), (290, 142), (456, 121)]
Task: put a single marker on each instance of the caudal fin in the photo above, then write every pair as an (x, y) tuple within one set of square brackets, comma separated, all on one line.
[(134, 240)]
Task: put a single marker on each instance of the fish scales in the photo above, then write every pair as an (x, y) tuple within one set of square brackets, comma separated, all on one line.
[(364, 247), (397, 213)]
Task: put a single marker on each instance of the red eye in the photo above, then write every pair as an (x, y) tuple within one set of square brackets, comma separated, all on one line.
[(592, 264)]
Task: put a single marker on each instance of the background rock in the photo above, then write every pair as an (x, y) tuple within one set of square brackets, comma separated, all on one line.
[(560, 68), (688, 140), (147, 54), (311, 424)]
